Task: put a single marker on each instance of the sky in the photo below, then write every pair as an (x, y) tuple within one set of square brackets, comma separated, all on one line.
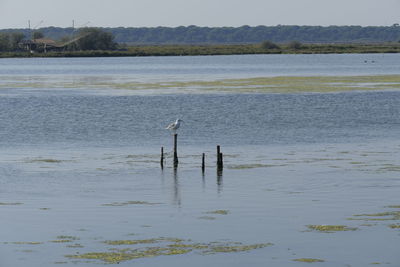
[(212, 13)]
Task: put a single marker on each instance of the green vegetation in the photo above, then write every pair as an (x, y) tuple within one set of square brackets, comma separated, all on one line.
[(118, 204), (174, 246), (330, 228), (309, 260), (220, 212), (235, 35), (10, 203)]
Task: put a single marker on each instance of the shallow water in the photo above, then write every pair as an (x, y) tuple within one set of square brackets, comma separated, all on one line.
[(80, 166)]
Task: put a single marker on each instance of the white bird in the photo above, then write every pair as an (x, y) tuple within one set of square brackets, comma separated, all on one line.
[(174, 126)]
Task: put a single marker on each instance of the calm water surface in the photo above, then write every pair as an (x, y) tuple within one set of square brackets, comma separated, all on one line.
[(84, 163)]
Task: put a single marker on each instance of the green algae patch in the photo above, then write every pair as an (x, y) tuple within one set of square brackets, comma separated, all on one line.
[(234, 248), (394, 226), (308, 260), (61, 241), (172, 246), (117, 256), (393, 207), (219, 212), (27, 243), (142, 241), (75, 246), (46, 160), (119, 204), (10, 203), (331, 228), (380, 216)]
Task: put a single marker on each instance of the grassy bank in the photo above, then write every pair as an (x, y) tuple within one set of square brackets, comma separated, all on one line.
[(194, 50)]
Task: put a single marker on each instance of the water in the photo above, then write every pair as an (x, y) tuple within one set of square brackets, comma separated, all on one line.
[(83, 163)]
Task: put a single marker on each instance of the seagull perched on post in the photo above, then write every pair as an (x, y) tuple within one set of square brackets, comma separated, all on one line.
[(174, 126)]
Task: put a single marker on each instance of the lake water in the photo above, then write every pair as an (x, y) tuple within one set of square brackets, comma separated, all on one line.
[(79, 164)]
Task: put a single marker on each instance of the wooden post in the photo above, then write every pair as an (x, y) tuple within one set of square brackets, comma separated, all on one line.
[(176, 150), (220, 163), (218, 157), (203, 162), (162, 158)]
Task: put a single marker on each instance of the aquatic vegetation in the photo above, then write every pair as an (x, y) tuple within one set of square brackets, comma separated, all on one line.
[(116, 255), (27, 243), (69, 237), (142, 241), (118, 204), (394, 226), (251, 166), (234, 248), (309, 260), (75, 246), (45, 160), (121, 255), (380, 216), (10, 203), (282, 84), (61, 241), (330, 228), (220, 212), (393, 206)]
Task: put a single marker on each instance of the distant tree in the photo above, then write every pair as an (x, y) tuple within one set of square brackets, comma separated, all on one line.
[(16, 38), (37, 35), (269, 45), (294, 45), (96, 39), (4, 42)]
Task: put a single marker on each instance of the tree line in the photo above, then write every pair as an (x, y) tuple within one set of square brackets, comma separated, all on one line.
[(238, 35)]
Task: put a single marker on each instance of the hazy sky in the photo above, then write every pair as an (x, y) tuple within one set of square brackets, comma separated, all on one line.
[(150, 13)]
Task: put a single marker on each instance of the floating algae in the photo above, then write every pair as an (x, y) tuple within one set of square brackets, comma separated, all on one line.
[(380, 216), (394, 226), (330, 228), (309, 260), (10, 203), (45, 160), (119, 204), (173, 246), (220, 212), (27, 243), (141, 241)]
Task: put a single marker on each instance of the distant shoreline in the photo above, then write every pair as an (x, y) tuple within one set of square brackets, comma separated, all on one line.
[(208, 50)]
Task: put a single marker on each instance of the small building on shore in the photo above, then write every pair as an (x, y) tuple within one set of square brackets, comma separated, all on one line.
[(40, 45)]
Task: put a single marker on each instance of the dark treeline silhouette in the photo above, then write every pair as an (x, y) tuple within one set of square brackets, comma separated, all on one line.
[(237, 35)]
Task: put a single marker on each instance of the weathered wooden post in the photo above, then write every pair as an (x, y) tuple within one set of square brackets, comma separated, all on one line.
[(162, 158), (220, 164), (176, 150), (203, 162)]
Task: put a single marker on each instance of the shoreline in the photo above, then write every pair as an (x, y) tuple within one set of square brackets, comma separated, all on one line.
[(213, 50)]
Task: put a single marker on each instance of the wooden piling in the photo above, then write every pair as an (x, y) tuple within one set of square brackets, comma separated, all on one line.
[(220, 163), (176, 150), (203, 162), (162, 158)]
